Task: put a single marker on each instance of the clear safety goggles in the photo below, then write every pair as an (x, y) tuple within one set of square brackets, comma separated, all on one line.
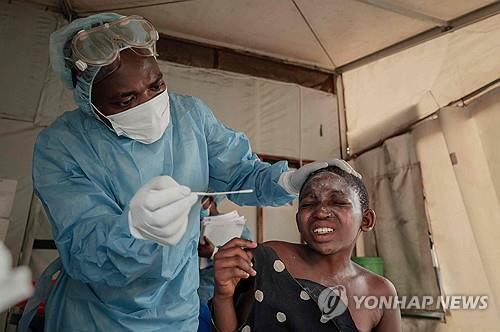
[(100, 46)]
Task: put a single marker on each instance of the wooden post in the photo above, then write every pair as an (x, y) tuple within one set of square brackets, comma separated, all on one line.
[(260, 225)]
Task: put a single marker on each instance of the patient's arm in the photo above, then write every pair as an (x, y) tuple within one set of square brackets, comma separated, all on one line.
[(232, 264), (391, 318), (225, 319)]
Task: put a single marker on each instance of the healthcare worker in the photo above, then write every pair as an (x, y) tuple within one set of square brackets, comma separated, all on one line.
[(116, 177)]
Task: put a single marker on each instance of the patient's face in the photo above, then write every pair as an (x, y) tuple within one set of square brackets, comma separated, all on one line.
[(329, 215)]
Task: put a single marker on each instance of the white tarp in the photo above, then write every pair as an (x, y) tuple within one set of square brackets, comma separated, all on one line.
[(463, 205), (24, 36), (392, 92), (325, 33), (280, 119), (17, 139)]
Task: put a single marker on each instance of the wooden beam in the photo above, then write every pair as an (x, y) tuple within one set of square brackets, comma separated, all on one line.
[(260, 225), (453, 25), (292, 162), (196, 54)]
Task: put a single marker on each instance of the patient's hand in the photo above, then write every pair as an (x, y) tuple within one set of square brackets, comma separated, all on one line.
[(232, 264)]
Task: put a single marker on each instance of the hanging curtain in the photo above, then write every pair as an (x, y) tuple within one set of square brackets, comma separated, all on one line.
[(401, 235)]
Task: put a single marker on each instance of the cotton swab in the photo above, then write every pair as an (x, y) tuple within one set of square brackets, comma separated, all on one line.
[(244, 191)]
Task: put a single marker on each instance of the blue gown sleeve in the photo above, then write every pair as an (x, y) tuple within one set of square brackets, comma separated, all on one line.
[(89, 228), (233, 166)]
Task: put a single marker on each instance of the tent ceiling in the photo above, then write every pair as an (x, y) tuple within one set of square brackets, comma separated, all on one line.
[(324, 33)]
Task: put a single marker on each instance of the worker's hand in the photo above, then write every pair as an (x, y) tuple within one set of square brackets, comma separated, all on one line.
[(159, 211), (205, 248), (292, 181), (232, 264)]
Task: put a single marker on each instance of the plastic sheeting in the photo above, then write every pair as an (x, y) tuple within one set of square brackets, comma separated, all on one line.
[(280, 119), (462, 206), (486, 113), (16, 149), (325, 33), (24, 35), (469, 135), (386, 95), (392, 176)]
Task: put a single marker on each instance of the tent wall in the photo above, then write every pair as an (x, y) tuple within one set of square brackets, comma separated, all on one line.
[(459, 158), (458, 154), (463, 205), (393, 179), (385, 96), (23, 76), (279, 118)]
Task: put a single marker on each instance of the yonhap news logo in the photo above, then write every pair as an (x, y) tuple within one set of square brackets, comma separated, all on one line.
[(332, 302)]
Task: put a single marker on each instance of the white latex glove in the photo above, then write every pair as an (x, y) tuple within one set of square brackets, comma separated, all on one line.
[(159, 211), (15, 284), (292, 181), (344, 165)]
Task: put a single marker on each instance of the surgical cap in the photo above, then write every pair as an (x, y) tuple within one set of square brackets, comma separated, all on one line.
[(62, 61)]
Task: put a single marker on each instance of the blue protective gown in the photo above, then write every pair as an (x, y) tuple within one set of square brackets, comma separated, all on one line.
[(85, 176)]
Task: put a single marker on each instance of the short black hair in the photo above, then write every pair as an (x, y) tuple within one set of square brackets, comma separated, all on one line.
[(352, 181)]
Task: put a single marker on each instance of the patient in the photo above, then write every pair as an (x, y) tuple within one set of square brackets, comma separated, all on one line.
[(280, 286)]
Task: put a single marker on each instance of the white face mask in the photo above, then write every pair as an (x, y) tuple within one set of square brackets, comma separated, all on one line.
[(144, 123)]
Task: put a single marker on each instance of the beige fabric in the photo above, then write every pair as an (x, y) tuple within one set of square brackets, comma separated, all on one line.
[(325, 33), (16, 149), (279, 223), (319, 132), (280, 119), (388, 94), (486, 113), (392, 176), (25, 61), (351, 29), (4, 225), (469, 134), (462, 266), (28, 96)]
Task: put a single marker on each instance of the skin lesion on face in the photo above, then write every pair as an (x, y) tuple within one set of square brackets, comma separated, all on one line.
[(330, 216), (136, 80)]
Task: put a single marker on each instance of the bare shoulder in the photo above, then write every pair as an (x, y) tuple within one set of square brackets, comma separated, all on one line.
[(283, 249), (369, 284), (281, 246), (375, 284)]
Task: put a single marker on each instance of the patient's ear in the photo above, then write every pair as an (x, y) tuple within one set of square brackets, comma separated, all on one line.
[(368, 221)]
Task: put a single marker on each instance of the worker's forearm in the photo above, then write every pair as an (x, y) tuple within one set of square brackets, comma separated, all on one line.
[(225, 314)]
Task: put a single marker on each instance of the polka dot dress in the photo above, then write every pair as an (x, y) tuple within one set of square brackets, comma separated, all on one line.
[(282, 303)]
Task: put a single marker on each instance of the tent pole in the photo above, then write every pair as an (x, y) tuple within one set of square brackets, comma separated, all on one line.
[(405, 11), (342, 117), (433, 116), (453, 25)]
